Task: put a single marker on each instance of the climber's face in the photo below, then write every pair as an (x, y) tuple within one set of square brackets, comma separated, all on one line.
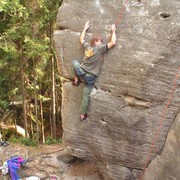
[(98, 42)]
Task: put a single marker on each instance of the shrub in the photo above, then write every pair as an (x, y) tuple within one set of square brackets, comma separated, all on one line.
[(50, 140), (25, 141)]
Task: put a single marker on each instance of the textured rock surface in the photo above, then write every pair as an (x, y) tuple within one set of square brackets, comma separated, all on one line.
[(48, 161), (167, 163), (133, 87)]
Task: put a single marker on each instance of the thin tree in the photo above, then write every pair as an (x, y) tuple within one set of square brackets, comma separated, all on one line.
[(23, 91)]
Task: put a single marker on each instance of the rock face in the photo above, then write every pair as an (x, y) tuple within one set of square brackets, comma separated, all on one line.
[(132, 107), (167, 164)]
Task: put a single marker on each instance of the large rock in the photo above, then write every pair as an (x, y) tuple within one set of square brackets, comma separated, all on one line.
[(128, 106), (167, 163)]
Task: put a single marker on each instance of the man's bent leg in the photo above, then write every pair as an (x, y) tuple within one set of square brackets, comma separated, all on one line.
[(85, 99), (79, 71)]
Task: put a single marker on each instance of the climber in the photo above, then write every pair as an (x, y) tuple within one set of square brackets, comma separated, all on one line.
[(89, 69)]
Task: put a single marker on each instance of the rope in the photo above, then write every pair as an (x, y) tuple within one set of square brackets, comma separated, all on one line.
[(119, 17), (160, 123)]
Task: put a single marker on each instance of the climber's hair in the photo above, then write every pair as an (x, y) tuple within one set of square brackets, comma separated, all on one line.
[(94, 39)]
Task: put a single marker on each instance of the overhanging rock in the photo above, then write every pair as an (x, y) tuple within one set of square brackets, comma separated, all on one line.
[(133, 87)]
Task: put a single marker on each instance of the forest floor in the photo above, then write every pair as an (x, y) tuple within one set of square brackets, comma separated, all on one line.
[(49, 162)]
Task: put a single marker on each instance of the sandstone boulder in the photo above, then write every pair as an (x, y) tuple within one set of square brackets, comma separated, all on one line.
[(167, 163), (135, 84)]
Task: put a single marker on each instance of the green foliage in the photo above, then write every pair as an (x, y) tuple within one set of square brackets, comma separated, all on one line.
[(50, 140), (25, 141), (26, 26), (4, 104), (36, 48)]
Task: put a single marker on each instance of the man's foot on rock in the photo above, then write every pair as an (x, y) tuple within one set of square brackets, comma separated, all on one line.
[(75, 82), (83, 117)]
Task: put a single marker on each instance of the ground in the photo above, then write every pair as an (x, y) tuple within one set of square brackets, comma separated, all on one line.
[(48, 161)]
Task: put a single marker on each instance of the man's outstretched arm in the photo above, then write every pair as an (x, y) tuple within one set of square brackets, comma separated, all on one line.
[(86, 27), (113, 37)]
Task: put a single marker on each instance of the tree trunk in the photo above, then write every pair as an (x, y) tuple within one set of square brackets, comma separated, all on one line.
[(23, 91), (42, 122), (36, 105), (52, 79), (31, 122), (58, 107), (53, 99), (50, 121)]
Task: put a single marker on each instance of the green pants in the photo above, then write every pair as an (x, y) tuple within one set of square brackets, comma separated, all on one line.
[(85, 99)]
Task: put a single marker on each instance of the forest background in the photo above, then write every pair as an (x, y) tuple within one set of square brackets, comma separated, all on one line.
[(30, 87)]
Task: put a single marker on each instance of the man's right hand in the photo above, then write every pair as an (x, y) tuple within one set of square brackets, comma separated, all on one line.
[(87, 25), (113, 27), (82, 36)]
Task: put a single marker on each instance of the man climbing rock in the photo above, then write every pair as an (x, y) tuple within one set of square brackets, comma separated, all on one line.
[(89, 69)]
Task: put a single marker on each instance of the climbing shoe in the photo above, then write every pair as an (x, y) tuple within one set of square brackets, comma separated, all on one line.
[(75, 83), (83, 117)]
